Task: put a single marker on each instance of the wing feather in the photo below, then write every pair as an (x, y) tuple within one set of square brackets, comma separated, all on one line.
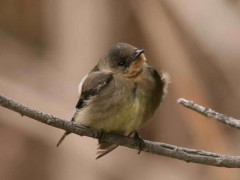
[(92, 86)]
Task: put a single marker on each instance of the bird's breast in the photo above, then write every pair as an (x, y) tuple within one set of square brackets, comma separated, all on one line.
[(133, 112), (125, 105)]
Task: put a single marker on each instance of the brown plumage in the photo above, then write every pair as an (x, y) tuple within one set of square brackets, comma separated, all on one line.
[(120, 94)]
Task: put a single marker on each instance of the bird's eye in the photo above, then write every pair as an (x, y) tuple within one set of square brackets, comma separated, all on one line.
[(121, 63)]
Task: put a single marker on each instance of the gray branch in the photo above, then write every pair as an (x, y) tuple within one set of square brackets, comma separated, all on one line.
[(210, 113), (185, 154)]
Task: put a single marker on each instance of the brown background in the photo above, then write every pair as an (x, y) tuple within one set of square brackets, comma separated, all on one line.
[(46, 47)]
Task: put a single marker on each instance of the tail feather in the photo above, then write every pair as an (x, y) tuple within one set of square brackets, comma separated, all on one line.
[(62, 138), (103, 150), (64, 135)]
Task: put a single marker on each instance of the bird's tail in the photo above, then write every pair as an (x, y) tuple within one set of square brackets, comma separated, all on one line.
[(105, 148), (62, 138), (64, 135)]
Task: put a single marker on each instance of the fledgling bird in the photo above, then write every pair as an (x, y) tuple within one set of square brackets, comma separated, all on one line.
[(119, 94)]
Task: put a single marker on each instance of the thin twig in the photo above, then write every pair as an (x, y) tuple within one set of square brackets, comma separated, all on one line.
[(210, 113), (188, 155)]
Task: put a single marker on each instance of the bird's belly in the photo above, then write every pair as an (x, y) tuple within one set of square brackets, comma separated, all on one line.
[(122, 113), (127, 118)]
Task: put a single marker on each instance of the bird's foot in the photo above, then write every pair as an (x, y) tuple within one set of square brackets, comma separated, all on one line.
[(100, 135), (140, 142)]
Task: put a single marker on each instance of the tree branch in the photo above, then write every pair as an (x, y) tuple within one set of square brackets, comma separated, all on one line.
[(188, 155), (210, 113)]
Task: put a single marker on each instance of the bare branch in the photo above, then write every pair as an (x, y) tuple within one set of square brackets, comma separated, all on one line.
[(210, 113), (188, 155)]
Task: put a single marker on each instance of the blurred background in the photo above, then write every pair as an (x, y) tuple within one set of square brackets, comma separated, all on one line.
[(46, 47)]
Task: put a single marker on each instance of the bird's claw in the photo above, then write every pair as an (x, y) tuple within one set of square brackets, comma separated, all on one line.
[(140, 142), (100, 135)]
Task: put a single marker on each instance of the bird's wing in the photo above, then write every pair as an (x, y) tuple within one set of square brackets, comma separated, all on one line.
[(80, 85), (92, 86)]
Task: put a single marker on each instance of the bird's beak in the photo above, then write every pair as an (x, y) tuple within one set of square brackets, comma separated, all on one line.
[(138, 53)]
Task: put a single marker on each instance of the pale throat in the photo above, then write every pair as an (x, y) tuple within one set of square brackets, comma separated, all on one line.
[(136, 69)]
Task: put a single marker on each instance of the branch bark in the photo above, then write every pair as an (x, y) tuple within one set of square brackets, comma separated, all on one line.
[(210, 113), (176, 152)]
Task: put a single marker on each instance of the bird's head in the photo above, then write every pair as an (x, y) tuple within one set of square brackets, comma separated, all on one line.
[(123, 59)]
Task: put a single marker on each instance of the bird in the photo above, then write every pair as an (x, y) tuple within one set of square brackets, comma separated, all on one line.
[(120, 94)]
